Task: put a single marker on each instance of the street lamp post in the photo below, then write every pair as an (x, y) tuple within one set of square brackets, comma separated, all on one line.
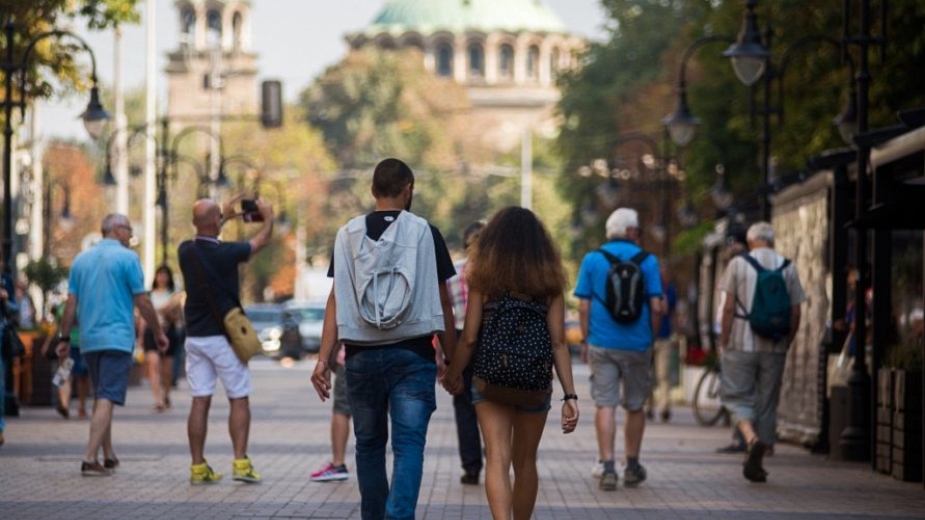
[(170, 157), (855, 439), (94, 117), (661, 167), (751, 61)]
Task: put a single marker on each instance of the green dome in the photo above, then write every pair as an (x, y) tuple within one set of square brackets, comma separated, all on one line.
[(428, 16)]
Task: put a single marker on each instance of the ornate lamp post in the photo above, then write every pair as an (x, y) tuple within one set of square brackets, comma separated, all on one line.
[(658, 162), (94, 117), (751, 62)]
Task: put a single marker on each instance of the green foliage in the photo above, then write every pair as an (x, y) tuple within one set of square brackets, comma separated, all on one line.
[(61, 59), (625, 77), (45, 273), (378, 104)]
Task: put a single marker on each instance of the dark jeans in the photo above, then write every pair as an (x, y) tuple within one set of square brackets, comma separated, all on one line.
[(398, 385), (467, 427)]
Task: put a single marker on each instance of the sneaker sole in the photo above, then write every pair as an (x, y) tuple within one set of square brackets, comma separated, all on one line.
[(249, 480), (608, 485), (95, 474), (631, 483), (329, 479), (204, 482)]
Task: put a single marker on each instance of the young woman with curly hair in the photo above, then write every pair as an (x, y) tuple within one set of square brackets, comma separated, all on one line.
[(514, 254)]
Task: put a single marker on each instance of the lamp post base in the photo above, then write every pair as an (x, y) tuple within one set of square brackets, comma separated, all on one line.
[(854, 442)]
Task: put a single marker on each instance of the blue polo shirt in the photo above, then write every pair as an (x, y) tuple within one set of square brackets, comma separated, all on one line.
[(105, 279), (603, 331)]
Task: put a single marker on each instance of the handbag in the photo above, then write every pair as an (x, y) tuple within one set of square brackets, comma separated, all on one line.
[(241, 335), (12, 344), (238, 328)]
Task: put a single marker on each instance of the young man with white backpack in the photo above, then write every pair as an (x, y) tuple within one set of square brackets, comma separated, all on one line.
[(388, 299), (760, 318)]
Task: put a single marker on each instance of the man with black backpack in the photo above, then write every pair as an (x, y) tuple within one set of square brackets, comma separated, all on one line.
[(760, 318), (620, 306)]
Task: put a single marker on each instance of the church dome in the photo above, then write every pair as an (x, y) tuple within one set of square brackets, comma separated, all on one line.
[(428, 16)]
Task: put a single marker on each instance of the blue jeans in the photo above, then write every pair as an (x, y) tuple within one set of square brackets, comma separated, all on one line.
[(394, 384)]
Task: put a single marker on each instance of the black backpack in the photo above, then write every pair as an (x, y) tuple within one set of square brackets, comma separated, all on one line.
[(515, 347), (626, 288)]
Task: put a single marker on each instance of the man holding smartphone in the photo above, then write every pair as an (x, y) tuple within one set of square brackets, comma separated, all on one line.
[(210, 275)]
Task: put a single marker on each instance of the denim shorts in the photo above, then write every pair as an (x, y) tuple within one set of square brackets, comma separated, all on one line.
[(543, 408), (109, 370)]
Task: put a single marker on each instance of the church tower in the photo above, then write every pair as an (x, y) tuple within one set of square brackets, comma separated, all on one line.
[(213, 71)]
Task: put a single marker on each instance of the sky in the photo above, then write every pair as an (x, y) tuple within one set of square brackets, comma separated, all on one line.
[(295, 41)]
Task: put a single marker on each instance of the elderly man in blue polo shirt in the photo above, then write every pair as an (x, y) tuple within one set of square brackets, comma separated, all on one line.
[(105, 285), (620, 354)]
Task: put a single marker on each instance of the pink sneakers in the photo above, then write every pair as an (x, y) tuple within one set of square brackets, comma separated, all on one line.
[(331, 472)]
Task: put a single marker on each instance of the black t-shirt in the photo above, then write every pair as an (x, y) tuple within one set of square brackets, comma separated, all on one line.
[(376, 224), (218, 263)]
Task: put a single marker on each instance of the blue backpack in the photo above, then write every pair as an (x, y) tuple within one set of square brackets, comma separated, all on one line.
[(770, 314)]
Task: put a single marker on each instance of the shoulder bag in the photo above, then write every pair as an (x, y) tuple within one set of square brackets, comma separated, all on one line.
[(238, 328)]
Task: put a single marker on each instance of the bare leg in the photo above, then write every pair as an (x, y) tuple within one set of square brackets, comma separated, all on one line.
[(64, 397), (197, 426), (239, 425), (605, 423), (153, 363), (166, 377), (83, 391), (633, 430), (528, 430), (340, 433), (100, 430), (496, 421)]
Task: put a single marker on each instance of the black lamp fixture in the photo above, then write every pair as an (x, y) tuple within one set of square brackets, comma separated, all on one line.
[(95, 118), (748, 54)]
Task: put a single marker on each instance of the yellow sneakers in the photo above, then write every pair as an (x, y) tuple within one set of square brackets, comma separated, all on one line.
[(203, 474), (244, 471)]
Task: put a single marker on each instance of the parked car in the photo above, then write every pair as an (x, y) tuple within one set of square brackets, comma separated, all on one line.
[(277, 329), (310, 316)]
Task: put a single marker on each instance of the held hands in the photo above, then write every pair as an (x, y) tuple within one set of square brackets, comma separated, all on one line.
[(228, 208), (569, 415), (452, 382)]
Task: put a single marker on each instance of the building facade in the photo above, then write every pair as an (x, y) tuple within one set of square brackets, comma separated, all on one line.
[(506, 54)]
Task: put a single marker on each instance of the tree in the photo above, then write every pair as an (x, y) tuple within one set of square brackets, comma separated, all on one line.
[(627, 84), (62, 55)]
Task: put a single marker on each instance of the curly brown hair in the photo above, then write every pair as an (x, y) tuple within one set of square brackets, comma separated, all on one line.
[(515, 253)]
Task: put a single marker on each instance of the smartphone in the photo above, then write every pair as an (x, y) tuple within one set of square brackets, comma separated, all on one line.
[(250, 211)]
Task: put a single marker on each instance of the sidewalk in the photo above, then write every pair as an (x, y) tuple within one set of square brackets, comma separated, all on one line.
[(40, 479)]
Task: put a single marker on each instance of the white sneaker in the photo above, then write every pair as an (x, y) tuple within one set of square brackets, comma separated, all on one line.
[(598, 469)]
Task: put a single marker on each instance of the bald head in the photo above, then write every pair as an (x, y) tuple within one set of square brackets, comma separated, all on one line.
[(207, 217)]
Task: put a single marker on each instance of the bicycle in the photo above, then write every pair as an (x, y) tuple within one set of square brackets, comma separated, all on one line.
[(708, 410)]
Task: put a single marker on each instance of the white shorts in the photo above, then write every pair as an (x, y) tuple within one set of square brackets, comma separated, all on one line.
[(209, 358)]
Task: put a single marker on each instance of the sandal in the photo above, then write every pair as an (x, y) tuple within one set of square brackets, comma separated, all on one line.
[(753, 470)]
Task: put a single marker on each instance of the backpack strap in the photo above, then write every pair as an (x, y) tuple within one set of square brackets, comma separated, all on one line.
[(639, 258)]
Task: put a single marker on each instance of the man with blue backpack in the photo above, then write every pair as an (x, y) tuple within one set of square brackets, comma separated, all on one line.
[(760, 318), (620, 307)]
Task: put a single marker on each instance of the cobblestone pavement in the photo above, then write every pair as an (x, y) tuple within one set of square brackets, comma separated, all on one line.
[(40, 479)]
